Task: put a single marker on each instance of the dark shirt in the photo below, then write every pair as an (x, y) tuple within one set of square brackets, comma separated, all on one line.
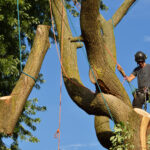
[(143, 76)]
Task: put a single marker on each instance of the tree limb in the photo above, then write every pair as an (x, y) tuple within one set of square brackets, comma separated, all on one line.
[(76, 39), (98, 103), (12, 106), (121, 12)]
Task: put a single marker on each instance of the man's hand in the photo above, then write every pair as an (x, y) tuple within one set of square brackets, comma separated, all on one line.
[(121, 70), (130, 78)]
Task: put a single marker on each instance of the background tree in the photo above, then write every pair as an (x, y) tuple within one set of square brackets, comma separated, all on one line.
[(97, 34)]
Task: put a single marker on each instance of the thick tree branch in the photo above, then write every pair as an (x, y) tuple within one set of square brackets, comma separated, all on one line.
[(121, 12), (11, 106), (95, 104), (76, 39)]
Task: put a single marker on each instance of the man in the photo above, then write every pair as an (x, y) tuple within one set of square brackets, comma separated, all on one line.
[(142, 72)]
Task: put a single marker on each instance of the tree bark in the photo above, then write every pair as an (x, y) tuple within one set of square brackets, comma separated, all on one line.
[(12, 106)]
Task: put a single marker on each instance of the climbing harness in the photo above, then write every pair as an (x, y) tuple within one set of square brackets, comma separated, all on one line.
[(147, 96), (143, 95), (21, 70)]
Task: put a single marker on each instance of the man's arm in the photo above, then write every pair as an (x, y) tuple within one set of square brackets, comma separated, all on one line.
[(128, 78)]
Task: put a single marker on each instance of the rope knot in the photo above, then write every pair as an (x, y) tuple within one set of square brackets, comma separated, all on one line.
[(57, 133)]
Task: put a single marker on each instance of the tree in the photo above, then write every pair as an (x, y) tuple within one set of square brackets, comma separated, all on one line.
[(97, 34)]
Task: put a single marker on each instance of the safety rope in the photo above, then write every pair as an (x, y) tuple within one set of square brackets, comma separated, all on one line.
[(62, 31), (57, 134), (21, 70)]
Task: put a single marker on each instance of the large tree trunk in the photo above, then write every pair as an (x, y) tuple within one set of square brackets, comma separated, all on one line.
[(97, 34), (12, 106)]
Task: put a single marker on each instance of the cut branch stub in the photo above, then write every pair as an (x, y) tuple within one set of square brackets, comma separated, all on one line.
[(12, 106)]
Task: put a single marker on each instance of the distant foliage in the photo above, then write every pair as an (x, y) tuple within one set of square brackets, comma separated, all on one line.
[(121, 138), (74, 5)]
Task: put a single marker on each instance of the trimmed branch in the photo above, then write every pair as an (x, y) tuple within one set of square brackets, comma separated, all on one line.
[(76, 39), (12, 106), (121, 12), (79, 45)]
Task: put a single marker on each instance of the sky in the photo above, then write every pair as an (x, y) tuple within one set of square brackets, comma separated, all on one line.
[(77, 127)]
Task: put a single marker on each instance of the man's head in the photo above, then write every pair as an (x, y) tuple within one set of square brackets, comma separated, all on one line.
[(140, 58)]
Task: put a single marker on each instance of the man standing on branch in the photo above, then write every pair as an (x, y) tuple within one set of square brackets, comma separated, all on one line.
[(142, 72)]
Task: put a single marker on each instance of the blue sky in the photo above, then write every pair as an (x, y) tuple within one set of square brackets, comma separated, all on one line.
[(77, 127)]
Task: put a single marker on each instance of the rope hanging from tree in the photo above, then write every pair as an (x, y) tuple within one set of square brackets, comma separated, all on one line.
[(57, 134), (21, 70)]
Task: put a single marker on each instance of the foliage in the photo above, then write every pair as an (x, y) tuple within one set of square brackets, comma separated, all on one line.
[(31, 108), (121, 138), (76, 3)]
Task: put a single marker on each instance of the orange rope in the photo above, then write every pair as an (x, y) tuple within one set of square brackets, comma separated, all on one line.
[(57, 134), (109, 52)]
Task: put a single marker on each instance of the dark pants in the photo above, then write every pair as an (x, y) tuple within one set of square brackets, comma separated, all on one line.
[(139, 99)]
